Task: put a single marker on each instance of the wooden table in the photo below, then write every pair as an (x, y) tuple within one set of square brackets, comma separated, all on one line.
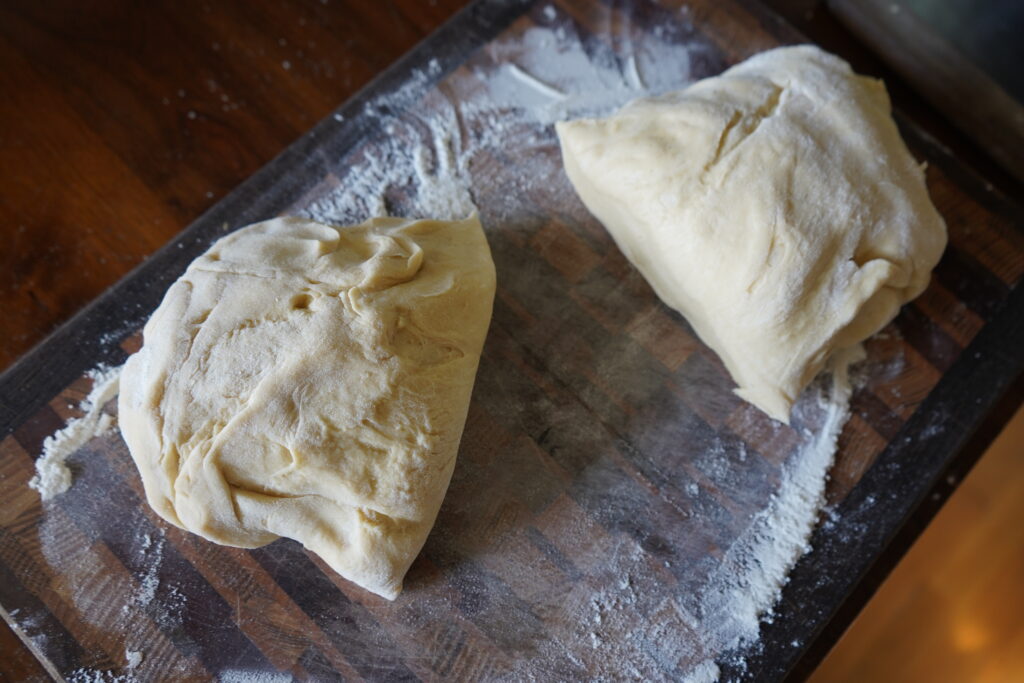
[(123, 123)]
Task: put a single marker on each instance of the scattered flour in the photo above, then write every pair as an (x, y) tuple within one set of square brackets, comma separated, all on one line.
[(748, 580), (133, 658), (98, 595), (52, 474), (154, 554), (28, 628), (640, 633), (245, 676), (437, 150), (97, 676), (487, 141)]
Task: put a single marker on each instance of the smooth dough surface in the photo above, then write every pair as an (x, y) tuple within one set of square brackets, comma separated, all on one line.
[(310, 381), (775, 206)]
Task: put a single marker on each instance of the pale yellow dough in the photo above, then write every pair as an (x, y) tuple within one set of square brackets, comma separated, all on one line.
[(310, 381), (775, 206)]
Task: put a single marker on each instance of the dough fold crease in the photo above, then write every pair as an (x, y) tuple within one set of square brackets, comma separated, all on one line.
[(312, 382)]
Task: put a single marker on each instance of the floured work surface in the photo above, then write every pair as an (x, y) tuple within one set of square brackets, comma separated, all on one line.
[(611, 512)]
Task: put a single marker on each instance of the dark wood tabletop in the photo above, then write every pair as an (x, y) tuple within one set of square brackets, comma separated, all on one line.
[(122, 122)]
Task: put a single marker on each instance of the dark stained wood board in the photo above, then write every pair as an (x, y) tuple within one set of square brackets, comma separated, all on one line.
[(952, 353)]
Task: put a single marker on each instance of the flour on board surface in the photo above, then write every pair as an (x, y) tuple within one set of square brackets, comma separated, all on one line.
[(52, 474), (138, 604), (435, 155), (133, 658), (434, 159), (440, 158)]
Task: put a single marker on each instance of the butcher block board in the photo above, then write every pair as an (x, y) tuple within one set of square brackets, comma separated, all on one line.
[(606, 468)]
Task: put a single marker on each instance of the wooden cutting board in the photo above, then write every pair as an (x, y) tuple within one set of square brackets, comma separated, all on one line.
[(605, 469)]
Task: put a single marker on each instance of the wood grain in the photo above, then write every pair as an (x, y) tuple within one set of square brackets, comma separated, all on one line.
[(241, 588), (122, 122)]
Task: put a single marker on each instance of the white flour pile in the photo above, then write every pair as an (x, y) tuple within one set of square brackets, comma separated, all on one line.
[(52, 474), (133, 658), (754, 570)]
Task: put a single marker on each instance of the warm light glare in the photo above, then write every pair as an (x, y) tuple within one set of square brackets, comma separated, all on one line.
[(968, 636)]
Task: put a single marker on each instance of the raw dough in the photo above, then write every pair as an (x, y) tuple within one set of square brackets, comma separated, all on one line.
[(309, 381), (775, 206)]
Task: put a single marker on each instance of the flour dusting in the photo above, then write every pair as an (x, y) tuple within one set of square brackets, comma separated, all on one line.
[(136, 602), (438, 158), (748, 581), (133, 658), (84, 675), (628, 627), (484, 142), (52, 474), (154, 554), (437, 149), (246, 676)]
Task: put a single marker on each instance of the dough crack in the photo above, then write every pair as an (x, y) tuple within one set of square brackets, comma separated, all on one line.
[(235, 488), (325, 288), (252, 323), (745, 125), (195, 328), (227, 271), (411, 342), (771, 105), (722, 137)]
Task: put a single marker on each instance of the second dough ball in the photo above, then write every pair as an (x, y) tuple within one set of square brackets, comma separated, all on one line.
[(775, 206)]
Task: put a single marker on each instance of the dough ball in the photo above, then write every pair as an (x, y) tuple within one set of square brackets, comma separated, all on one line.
[(310, 381), (775, 206)]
